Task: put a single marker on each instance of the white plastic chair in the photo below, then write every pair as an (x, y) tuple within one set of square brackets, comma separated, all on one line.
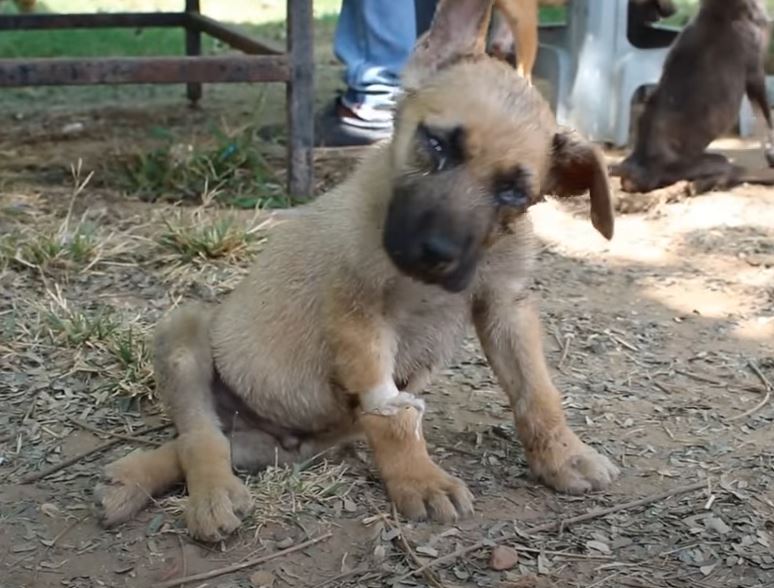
[(595, 71)]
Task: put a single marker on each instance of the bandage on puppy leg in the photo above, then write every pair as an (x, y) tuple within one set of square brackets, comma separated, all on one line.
[(386, 400)]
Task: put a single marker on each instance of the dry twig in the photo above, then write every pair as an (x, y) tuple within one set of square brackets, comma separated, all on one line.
[(44, 473), (699, 377), (768, 388), (344, 575), (560, 524), (754, 409), (405, 547), (130, 438), (242, 565)]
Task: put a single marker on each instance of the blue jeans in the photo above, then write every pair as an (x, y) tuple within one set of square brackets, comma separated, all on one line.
[(373, 40)]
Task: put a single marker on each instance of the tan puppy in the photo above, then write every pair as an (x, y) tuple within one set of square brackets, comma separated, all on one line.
[(355, 303), (515, 29)]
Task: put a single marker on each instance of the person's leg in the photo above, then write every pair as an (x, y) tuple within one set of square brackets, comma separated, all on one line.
[(373, 40)]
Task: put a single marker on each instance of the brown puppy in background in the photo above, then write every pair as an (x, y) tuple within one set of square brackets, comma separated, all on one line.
[(24, 5), (715, 61), (355, 303), (514, 32)]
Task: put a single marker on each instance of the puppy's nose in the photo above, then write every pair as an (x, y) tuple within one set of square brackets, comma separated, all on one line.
[(438, 250)]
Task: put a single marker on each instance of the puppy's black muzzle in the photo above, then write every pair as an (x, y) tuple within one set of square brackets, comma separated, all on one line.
[(430, 239)]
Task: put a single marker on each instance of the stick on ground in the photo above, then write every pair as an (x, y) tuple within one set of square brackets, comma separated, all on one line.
[(560, 524), (97, 431), (39, 475), (769, 386), (240, 566)]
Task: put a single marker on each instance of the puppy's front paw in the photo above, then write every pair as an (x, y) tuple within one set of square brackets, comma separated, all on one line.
[(216, 506), (566, 464), (428, 492)]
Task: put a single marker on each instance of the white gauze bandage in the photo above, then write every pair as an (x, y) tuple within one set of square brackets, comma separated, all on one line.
[(386, 400)]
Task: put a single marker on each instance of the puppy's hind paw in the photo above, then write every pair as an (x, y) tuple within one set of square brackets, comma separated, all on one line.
[(117, 500)]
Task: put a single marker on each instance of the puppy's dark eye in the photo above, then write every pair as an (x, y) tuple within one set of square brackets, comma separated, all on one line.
[(511, 195), (442, 146)]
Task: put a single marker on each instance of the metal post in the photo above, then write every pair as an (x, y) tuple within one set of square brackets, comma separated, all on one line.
[(300, 99), (193, 47)]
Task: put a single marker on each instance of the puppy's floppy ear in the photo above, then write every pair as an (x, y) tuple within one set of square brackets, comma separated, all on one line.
[(576, 167), (458, 29)]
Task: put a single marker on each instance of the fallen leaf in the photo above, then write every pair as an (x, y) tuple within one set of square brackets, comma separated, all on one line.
[(380, 552), (390, 534), (600, 546), (427, 550), (155, 524), (124, 569), (716, 524)]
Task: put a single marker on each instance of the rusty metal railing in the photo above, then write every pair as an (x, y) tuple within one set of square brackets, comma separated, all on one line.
[(261, 61)]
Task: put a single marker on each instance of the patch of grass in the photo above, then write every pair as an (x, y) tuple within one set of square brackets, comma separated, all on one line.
[(104, 342), (132, 369), (231, 170), (61, 248), (45, 245), (74, 328), (206, 238), (282, 493)]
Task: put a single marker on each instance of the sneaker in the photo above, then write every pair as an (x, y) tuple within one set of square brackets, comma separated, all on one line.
[(336, 126)]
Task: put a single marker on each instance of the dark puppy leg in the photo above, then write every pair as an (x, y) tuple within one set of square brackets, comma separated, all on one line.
[(712, 171), (756, 92)]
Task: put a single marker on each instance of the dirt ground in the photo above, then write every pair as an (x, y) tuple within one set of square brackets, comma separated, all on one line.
[(662, 342)]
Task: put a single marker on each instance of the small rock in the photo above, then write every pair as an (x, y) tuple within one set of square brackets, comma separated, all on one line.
[(72, 128), (285, 543), (503, 558), (262, 579), (51, 510), (349, 505)]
